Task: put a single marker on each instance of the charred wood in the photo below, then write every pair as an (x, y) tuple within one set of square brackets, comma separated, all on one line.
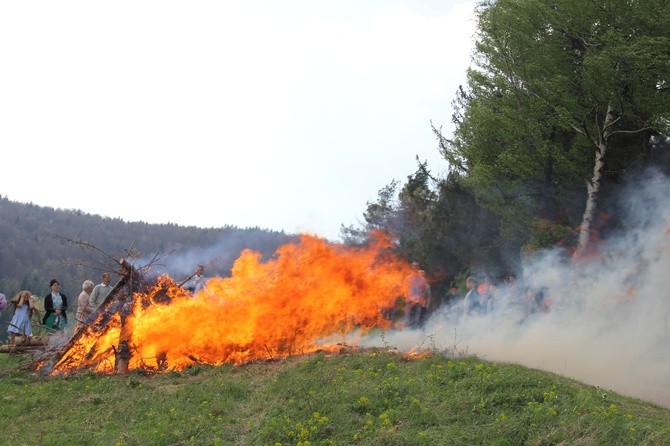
[(122, 356)]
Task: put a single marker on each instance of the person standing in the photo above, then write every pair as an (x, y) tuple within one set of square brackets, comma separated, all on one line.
[(418, 296), (84, 307), (55, 307), (20, 323), (199, 279), (101, 291), (471, 299)]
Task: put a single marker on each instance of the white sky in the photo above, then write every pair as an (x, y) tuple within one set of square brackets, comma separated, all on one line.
[(279, 114)]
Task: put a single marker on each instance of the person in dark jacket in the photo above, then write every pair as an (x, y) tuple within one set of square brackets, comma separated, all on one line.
[(55, 307)]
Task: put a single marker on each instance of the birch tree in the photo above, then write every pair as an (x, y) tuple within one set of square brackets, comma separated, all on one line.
[(554, 85)]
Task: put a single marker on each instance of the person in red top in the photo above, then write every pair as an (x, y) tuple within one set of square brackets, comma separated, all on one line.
[(417, 295)]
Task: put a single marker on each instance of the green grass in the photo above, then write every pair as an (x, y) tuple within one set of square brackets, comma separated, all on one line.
[(363, 398)]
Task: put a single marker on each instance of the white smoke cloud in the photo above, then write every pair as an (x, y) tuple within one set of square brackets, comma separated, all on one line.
[(217, 257), (609, 323)]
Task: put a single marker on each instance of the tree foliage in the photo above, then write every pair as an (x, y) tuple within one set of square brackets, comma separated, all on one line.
[(562, 94)]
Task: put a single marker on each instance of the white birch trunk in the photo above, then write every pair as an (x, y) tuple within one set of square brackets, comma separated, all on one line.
[(593, 186)]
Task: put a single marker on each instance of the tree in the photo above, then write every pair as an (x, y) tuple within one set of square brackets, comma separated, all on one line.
[(557, 84), (434, 221), (380, 215)]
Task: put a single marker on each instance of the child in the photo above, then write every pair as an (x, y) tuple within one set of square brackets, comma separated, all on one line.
[(20, 324)]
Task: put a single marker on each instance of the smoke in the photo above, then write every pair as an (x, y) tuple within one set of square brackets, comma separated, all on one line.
[(608, 323), (217, 257), (182, 264)]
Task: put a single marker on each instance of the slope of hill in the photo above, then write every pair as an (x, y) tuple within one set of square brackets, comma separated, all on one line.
[(373, 397)]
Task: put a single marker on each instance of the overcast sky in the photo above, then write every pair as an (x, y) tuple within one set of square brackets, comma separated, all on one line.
[(287, 115)]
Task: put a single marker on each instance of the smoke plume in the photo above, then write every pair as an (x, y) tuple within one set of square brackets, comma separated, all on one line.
[(608, 322)]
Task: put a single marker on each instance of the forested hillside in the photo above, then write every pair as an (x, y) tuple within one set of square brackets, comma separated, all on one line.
[(40, 243)]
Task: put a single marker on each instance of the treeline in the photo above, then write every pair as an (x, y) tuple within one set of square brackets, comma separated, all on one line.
[(40, 243), (565, 104)]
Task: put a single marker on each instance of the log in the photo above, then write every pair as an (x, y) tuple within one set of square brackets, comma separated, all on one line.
[(24, 344), (122, 358)]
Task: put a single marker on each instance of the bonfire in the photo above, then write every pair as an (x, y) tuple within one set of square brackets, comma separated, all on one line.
[(310, 291)]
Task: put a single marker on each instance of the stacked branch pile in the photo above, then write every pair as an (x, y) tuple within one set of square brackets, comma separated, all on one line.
[(75, 355)]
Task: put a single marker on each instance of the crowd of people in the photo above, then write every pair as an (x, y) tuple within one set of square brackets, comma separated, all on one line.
[(485, 297), (481, 297), (54, 316)]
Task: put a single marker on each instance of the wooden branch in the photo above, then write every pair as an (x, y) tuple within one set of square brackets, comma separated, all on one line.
[(24, 344), (630, 131)]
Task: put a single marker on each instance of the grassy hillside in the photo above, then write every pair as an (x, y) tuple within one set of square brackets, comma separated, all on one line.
[(363, 398)]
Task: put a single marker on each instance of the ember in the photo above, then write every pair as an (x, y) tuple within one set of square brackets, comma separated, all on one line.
[(309, 291)]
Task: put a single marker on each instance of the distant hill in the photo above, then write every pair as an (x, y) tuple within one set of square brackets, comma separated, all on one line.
[(39, 243)]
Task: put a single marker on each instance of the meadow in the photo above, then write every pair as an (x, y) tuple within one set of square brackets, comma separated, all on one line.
[(371, 397)]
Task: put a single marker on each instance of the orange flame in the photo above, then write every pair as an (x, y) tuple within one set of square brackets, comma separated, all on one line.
[(309, 291)]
